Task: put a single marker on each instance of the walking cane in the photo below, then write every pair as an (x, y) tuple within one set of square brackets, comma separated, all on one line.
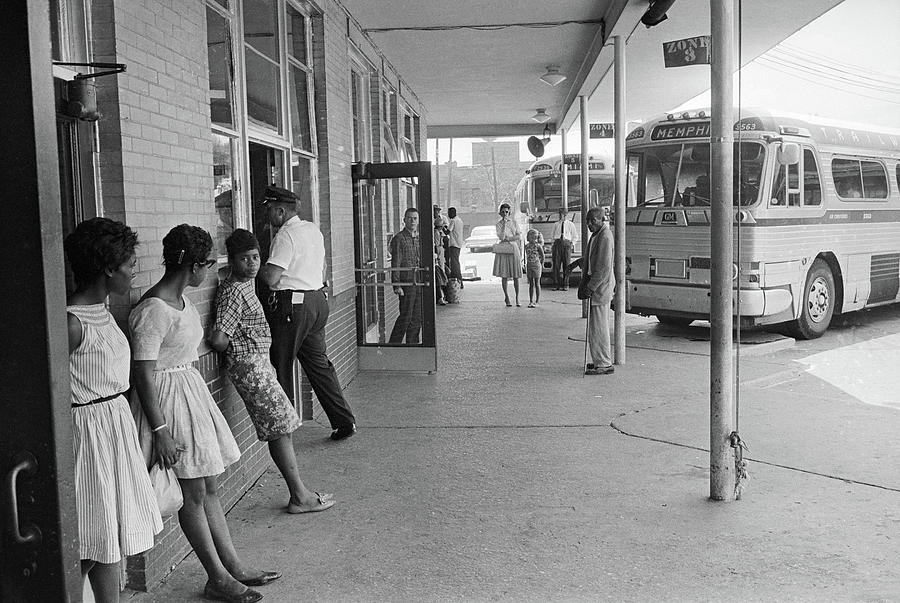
[(587, 328)]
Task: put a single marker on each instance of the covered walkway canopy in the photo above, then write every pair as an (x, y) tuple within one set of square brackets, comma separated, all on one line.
[(476, 66)]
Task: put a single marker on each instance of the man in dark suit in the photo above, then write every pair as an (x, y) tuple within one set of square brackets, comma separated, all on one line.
[(598, 270)]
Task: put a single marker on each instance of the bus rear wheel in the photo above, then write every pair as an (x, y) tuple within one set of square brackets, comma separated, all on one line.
[(818, 303), (674, 321)]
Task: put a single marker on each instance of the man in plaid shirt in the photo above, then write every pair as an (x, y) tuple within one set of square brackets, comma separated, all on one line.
[(405, 254)]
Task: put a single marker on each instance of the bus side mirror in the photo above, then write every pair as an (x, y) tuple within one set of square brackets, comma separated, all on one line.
[(788, 153)]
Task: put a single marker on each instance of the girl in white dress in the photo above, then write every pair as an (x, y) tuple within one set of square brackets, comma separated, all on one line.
[(116, 506), (189, 432)]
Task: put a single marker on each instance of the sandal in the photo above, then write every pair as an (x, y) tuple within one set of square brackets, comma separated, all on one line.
[(508, 304), (210, 591), (323, 502)]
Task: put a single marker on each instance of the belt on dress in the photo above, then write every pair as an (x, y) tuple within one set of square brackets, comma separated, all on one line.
[(174, 369), (103, 399)]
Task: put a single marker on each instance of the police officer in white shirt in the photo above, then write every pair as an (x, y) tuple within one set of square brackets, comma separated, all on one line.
[(565, 235), (298, 308)]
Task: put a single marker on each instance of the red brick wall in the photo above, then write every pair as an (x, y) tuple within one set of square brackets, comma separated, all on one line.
[(156, 172), (155, 166)]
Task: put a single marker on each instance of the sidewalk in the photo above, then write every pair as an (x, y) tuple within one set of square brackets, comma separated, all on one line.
[(508, 476)]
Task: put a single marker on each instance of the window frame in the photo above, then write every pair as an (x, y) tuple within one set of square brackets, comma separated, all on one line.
[(862, 181)]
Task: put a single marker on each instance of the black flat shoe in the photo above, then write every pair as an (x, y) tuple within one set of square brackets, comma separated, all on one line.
[(262, 579), (214, 594), (342, 433)]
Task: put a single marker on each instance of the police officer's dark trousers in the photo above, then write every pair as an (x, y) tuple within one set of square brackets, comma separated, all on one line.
[(303, 337)]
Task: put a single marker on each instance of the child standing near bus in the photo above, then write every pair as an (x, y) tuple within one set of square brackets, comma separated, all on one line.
[(534, 265)]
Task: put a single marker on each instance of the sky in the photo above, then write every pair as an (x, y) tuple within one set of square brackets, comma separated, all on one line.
[(845, 66)]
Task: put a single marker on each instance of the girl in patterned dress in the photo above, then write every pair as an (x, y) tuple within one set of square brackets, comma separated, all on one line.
[(534, 266), (116, 506), (241, 331), (189, 432)]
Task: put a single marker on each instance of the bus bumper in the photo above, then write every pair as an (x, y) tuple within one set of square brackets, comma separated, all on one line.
[(646, 298)]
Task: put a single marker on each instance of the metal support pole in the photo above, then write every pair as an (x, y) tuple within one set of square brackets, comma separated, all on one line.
[(621, 169), (585, 194), (437, 171), (721, 371), (450, 178), (564, 171)]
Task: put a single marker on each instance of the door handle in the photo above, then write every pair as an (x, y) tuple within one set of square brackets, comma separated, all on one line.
[(29, 534)]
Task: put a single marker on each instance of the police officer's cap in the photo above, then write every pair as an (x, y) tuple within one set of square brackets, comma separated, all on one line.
[(276, 194)]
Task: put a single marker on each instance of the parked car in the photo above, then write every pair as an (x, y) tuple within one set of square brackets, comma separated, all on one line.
[(482, 238)]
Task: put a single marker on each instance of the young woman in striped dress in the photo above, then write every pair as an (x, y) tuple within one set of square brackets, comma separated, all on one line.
[(189, 432), (116, 506)]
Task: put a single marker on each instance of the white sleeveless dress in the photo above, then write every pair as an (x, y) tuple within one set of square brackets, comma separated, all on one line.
[(171, 337), (116, 506)]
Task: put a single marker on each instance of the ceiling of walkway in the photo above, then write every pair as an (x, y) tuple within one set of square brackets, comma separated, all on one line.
[(476, 65)]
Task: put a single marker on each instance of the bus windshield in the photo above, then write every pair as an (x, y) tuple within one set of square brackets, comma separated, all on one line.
[(677, 175), (548, 191)]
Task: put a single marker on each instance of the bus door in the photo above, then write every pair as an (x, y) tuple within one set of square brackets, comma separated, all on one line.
[(395, 328)]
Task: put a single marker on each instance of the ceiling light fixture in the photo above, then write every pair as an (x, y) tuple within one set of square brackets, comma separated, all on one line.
[(553, 77), (541, 116)]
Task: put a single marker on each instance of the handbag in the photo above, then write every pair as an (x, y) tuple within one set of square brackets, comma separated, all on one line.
[(504, 247), (167, 489)]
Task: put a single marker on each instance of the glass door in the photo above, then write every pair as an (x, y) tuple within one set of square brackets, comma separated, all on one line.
[(395, 278)]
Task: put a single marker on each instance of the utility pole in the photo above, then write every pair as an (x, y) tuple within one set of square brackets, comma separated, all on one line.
[(620, 174), (722, 473)]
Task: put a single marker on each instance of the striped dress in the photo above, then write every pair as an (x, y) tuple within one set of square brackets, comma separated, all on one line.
[(117, 512)]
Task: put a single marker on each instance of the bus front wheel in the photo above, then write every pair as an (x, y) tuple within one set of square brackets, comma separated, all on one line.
[(818, 303)]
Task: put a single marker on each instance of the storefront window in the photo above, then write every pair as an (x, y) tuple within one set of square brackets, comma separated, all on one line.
[(296, 35), (263, 92), (300, 131), (263, 65), (261, 27), (221, 69), (303, 184), (223, 186)]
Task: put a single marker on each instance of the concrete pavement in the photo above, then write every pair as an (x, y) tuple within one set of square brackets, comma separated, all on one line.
[(507, 476)]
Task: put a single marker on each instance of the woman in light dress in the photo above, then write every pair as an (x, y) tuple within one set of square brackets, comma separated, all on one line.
[(189, 432), (508, 265), (115, 503)]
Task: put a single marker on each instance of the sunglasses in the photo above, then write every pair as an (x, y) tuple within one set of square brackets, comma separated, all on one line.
[(207, 263)]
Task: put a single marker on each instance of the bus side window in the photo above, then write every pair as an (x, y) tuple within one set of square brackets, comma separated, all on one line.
[(812, 185), (847, 179), (874, 179)]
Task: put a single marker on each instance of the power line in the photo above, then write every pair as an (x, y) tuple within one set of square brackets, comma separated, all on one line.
[(876, 78), (822, 74), (792, 73), (813, 56)]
